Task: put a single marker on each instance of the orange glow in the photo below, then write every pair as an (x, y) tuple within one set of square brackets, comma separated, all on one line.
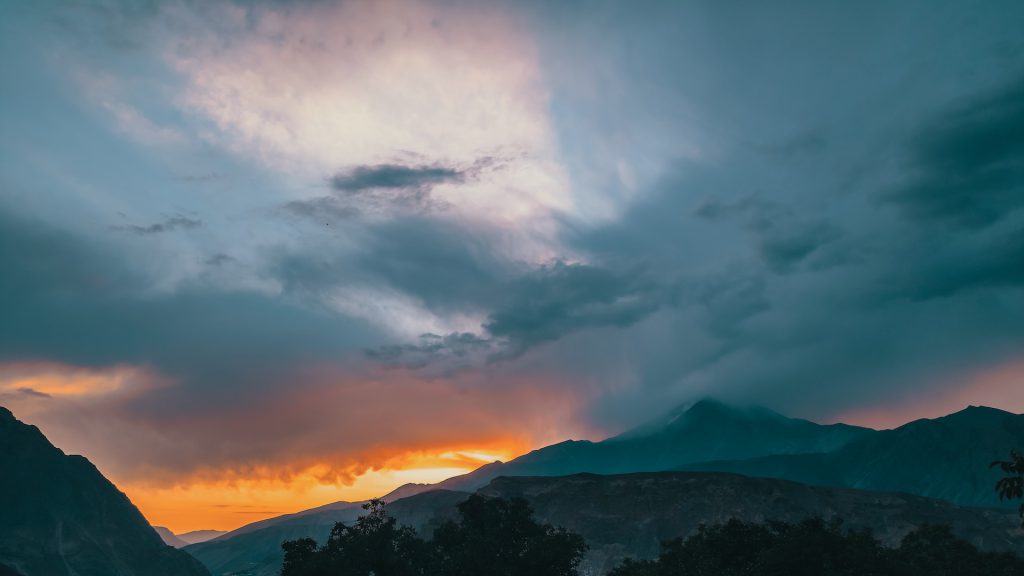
[(332, 435), (229, 505), (58, 380)]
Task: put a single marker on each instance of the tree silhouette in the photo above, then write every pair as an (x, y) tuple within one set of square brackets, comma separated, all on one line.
[(1011, 487), (499, 537), (815, 547), (375, 544), (493, 536)]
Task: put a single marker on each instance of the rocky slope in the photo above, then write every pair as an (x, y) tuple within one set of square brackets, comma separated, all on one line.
[(61, 517)]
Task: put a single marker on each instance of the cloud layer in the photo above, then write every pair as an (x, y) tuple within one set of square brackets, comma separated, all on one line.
[(307, 245)]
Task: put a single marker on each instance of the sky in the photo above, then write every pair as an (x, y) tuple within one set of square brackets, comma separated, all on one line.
[(261, 256)]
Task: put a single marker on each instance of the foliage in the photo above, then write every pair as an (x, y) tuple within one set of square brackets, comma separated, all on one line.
[(1011, 487), (375, 544), (500, 538), (492, 536), (818, 548)]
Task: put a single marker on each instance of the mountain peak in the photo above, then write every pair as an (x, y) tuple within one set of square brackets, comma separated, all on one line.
[(977, 414), (6, 415)]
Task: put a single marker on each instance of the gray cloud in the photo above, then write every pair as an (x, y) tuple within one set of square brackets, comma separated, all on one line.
[(382, 188), (68, 300), (556, 300), (393, 177), (172, 223), (967, 164)]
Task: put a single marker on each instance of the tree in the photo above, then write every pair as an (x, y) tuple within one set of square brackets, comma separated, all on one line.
[(492, 536), (814, 547), (375, 545), (1011, 487), (499, 537)]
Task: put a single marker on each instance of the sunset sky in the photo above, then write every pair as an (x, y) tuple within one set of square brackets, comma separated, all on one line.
[(262, 256)]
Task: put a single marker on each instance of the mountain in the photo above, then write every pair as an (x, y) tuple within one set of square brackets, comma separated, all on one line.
[(61, 517), (943, 458), (182, 540), (169, 537), (197, 536), (706, 430), (629, 515)]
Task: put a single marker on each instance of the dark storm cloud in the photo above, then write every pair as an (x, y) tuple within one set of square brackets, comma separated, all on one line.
[(806, 289), (784, 238), (446, 268), (81, 303), (448, 353), (560, 299), (176, 222), (967, 164)]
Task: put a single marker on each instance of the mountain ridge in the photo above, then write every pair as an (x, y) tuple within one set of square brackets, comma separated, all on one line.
[(62, 517)]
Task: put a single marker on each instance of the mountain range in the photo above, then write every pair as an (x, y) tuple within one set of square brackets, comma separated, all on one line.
[(943, 458), (60, 517)]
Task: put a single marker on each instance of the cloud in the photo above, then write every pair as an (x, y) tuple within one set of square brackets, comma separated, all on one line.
[(393, 177), (967, 164), (177, 222), (405, 95), (380, 189), (555, 300)]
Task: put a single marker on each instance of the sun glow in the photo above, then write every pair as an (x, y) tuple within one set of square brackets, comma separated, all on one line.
[(226, 505)]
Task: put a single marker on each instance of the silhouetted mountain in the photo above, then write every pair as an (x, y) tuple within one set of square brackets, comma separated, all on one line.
[(629, 515), (60, 517), (943, 458), (706, 430)]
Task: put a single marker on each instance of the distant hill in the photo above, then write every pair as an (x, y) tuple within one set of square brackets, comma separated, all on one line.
[(169, 538), (256, 550), (943, 458), (197, 536), (60, 517), (628, 515), (182, 540)]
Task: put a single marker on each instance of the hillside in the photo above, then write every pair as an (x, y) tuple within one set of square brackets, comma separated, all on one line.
[(629, 515), (61, 517)]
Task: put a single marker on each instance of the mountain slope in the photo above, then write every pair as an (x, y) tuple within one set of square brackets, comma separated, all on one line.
[(257, 551), (943, 458), (61, 517), (707, 430)]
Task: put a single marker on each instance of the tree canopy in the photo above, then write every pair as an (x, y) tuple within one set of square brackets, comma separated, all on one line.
[(492, 536), (818, 548)]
